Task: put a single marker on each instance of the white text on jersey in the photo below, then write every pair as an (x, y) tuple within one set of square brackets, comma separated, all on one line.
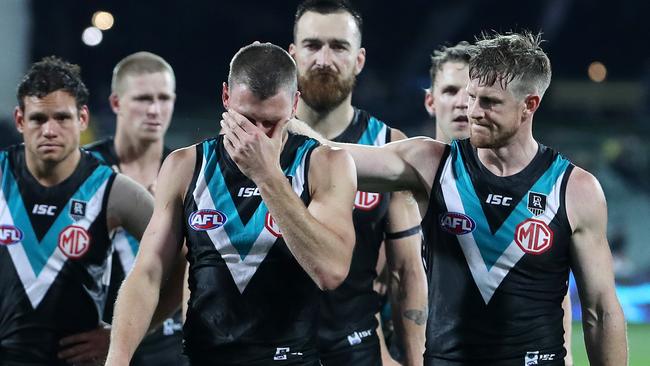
[(44, 210), (497, 199)]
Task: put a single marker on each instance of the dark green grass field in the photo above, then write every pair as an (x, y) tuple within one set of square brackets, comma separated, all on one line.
[(638, 337)]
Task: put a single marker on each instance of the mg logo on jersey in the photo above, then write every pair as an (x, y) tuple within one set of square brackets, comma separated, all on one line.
[(456, 223), (272, 226), (534, 236), (74, 241), (366, 200), (10, 234), (203, 220)]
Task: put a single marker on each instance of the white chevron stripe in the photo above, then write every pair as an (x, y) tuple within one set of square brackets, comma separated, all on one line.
[(242, 271), (380, 140), (36, 287), (123, 249), (489, 281)]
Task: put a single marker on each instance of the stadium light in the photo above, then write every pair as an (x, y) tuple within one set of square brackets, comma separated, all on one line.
[(597, 72), (92, 36), (103, 20)]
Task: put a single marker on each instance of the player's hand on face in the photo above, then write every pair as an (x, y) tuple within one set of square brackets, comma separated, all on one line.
[(256, 154), (88, 348)]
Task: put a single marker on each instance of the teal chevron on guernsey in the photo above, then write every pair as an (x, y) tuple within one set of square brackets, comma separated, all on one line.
[(38, 262), (491, 245), (241, 236), (375, 133), (39, 251)]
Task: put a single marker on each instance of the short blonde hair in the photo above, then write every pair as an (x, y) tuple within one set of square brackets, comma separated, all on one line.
[(137, 64)]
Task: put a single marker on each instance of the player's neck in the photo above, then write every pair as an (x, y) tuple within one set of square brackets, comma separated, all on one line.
[(131, 150), (511, 158), (50, 174), (440, 136), (329, 124)]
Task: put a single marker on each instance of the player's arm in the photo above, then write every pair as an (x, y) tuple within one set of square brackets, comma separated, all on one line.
[(158, 254), (407, 282), (321, 236), (408, 164), (129, 205), (568, 328), (591, 262)]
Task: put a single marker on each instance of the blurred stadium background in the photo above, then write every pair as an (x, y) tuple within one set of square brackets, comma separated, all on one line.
[(596, 111)]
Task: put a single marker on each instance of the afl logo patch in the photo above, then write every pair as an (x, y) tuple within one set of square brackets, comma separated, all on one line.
[(74, 241), (456, 223), (534, 236), (10, 234), (366, 200), (272, 226), (203, 220)]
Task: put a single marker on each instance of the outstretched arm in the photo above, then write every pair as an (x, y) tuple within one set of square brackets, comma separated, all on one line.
[(408, 164), (159, 250), (321, 236), (591, 261)]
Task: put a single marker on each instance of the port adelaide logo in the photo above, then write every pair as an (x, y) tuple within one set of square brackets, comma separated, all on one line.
[(536, 203), (203, 220), (456, 223)]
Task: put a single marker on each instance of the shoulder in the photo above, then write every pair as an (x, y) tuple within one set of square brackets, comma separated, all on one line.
[(422, 147), (585, 199), (179, 158), (99, 145), (325, 156)]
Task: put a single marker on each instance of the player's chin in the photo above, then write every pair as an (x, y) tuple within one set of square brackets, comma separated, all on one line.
[(481, 141)]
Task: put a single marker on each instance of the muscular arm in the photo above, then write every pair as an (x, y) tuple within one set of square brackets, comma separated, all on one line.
[(159, 250), (591, 262), (320, 236), (408, 164), (406, 277)]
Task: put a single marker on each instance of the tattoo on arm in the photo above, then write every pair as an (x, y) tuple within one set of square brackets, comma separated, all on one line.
[(419, 317)]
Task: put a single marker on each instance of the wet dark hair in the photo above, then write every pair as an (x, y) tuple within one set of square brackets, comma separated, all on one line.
[(515, 58), (264, 68), (49, 75), (327, 7)]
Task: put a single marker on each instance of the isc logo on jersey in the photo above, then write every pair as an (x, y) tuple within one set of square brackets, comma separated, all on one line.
[(456, 223), (10, 234), (534, 236), (203, 220), (366, 200), (74, 241)]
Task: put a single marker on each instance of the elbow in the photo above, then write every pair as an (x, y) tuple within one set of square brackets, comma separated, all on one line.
[(333, 276), (333, 279)]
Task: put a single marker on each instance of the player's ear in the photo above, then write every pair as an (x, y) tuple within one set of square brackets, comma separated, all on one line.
[(114, 101), (19, 119), (225, 95), (361, 61), (84, 117), (428, 102), (531, 103), (296, 97)]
